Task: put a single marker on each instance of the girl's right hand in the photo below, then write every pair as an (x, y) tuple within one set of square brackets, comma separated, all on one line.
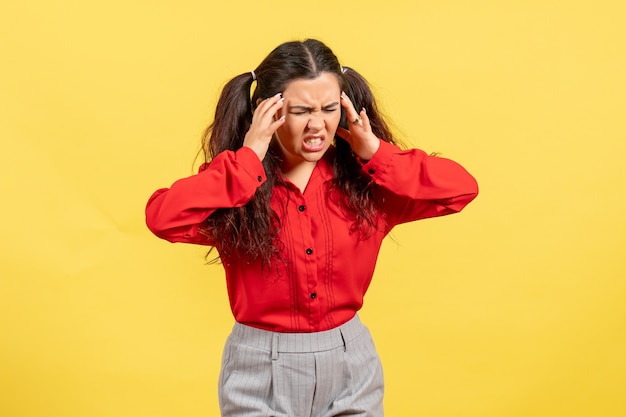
[(264, 124)]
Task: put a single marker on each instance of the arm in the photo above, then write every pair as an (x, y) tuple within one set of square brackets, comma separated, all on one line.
[(230, 180), (415, 185)]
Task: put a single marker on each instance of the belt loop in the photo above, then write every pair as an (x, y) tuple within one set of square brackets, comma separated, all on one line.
[(343, 339), (275, 337)]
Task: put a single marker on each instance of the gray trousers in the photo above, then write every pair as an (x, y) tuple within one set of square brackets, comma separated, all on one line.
[(331, 373)]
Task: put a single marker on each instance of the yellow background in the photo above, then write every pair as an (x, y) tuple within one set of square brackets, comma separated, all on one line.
[(515, 307)]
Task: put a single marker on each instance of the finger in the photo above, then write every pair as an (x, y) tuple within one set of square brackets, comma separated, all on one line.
[(346, 103), (276, 120), (344, 134), (354, 117), (278, 105), (268, 118), (266, 105), (277, 123), (365, 119)]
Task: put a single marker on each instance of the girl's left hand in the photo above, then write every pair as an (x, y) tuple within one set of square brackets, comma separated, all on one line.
[(360, 137)]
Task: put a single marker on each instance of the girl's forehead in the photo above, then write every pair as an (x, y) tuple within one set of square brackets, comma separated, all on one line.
[(326, 85)]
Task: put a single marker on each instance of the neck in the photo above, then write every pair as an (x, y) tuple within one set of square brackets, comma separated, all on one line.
[(299, 174)]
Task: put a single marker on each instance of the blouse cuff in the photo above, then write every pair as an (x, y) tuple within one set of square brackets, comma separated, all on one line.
[(247, 160), (250, 163), (381, 160)]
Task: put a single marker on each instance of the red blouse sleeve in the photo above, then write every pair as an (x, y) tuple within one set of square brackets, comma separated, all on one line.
[(414, 185), (229, 180)]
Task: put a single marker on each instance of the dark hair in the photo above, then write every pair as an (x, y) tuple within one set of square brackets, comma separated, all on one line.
[(250, 231)]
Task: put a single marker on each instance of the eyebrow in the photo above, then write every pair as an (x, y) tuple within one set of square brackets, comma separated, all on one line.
[(307, 108)]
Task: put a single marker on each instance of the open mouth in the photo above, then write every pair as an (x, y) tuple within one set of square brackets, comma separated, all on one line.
[(313, 141), (313, 144)]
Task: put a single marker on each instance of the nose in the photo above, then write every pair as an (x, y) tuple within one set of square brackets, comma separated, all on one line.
[(316, 122)]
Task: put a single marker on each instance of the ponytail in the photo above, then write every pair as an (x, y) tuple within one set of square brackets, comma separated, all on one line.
[(233, 116), (248, 231)]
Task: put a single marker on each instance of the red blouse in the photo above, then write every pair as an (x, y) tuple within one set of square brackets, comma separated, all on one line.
[(326, 269)]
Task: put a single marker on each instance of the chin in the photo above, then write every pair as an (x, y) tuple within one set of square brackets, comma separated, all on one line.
[(314, 156)]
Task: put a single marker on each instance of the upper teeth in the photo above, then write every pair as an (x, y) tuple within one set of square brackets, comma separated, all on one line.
[(314, 141)]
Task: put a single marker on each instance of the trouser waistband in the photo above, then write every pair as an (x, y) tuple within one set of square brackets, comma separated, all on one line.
[(297, 342)]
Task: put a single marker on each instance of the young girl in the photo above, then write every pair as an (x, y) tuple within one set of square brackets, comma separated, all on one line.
[(302, 182)]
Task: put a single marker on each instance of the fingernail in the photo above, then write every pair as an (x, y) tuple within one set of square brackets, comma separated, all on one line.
[(278, 94)]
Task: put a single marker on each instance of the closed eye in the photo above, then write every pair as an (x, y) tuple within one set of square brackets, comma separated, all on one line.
[(299, 109), (305, 109), (331, 107)]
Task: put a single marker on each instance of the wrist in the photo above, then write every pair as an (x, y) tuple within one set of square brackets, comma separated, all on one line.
[(260, 151), (368, 150)]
